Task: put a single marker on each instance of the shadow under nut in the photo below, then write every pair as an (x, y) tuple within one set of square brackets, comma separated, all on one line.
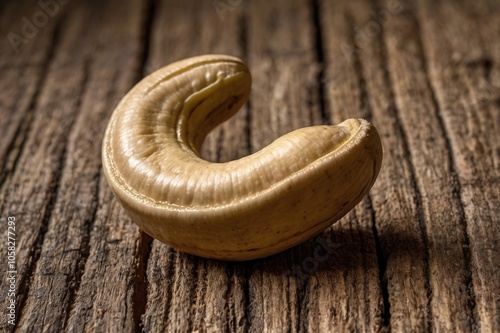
[(249, 208)]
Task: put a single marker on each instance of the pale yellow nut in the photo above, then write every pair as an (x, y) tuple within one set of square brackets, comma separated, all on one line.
[(249, 208)]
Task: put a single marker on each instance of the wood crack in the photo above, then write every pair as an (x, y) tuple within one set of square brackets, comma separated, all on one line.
[(243, 44), (366, 277), (320, 58), (302, 318), (140, 288), (147, 29), (363, 94), (247, 303), (172, 258), (197, 281), (382, 267), (229, 308), (139, 297), (302, 294), (21, 135), (220, 145)]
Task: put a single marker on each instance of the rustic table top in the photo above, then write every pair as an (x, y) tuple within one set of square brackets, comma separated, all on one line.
[(420, 253)]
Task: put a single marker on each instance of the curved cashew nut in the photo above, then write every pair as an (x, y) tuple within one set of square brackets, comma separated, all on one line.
[(248, 208)]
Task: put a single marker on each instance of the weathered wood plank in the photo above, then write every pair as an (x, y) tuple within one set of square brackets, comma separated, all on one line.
[(430, 155), (357, 82), (343, 282), (186, 293), (111, 297), (459, 67), (65, 143), (283, 67)]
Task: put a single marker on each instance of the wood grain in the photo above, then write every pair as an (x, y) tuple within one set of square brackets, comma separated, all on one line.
[(419, 254)]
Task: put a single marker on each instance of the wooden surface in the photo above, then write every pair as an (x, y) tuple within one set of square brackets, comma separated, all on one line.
[(420, 253)]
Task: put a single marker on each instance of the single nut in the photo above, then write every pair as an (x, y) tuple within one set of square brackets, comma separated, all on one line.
[(249, 208)]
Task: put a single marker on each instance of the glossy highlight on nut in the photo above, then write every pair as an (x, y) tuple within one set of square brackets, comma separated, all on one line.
[(249, 208)]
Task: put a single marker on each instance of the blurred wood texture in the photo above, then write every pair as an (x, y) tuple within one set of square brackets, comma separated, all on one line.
[(421, 253)]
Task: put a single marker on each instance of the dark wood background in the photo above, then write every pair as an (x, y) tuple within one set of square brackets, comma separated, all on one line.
[(421, 253)]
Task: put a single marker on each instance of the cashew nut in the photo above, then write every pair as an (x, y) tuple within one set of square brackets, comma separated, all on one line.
[(249, 208)]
